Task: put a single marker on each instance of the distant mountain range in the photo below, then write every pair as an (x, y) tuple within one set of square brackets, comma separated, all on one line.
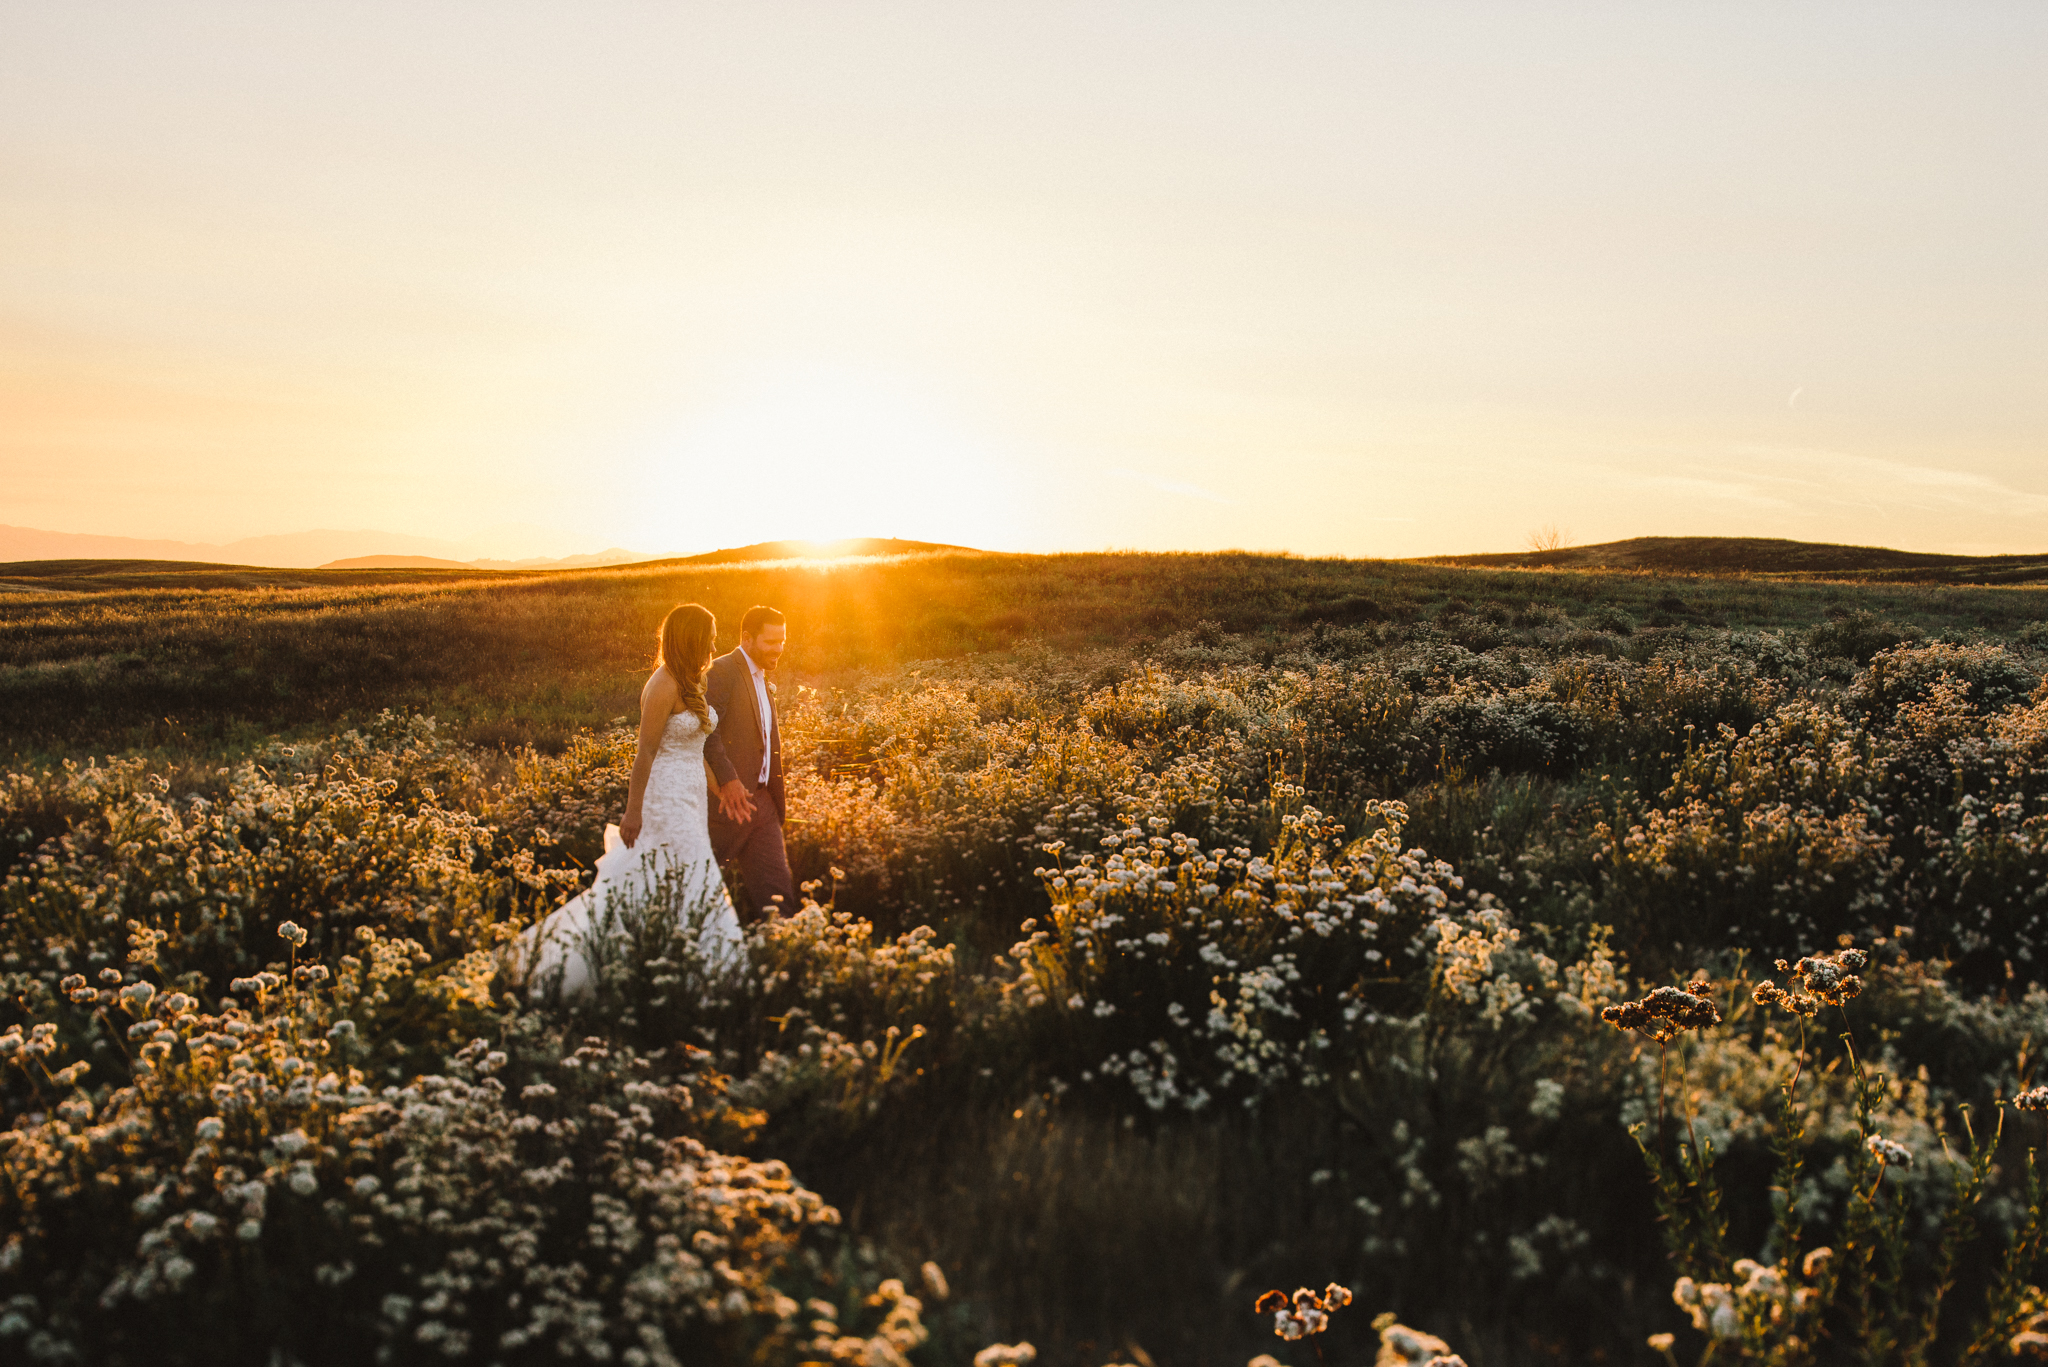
[(760, 550), (297, 550), (371, 550), (614, 556), (29, 554)]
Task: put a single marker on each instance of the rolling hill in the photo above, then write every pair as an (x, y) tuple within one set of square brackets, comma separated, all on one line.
[(852, 548), (760, 550), (1762, 556)]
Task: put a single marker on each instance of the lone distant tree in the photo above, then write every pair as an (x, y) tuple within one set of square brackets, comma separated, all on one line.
[(1549, 537)]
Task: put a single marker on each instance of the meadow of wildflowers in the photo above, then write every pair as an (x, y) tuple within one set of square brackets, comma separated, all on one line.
[(1552, 985)]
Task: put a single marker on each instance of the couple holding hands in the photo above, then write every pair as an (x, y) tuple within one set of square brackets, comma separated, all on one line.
[(706, 791)]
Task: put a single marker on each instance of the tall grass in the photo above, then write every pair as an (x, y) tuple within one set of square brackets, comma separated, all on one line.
[(186, 667), (1148, 966)]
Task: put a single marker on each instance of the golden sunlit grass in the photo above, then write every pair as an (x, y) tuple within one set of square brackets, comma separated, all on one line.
[(164, 653)]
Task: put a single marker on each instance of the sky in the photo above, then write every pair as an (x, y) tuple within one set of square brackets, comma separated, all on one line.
[(1334, 278)]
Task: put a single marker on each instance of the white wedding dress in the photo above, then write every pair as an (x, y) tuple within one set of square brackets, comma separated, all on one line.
[(669, 871)]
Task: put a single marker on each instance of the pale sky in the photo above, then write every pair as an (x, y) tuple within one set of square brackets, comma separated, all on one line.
[(1329, 277)]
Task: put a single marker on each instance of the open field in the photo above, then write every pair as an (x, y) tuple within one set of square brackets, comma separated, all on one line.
[(1186, 926), (97, 655)]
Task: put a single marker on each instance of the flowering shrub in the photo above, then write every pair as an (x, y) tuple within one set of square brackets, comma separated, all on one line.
[(1304, 1313), (1989, 678), (337, 837), (523, 1197), (1233, 974), (1726, 787), (517, 1197), (1401, 1346), (844, 1010), (1113, 971), (560, 804), (1860, 1290)]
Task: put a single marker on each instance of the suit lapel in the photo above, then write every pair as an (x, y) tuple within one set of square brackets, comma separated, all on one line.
[(747, 692)]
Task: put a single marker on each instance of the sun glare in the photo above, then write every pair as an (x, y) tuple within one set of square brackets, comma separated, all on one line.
[(822, 454)]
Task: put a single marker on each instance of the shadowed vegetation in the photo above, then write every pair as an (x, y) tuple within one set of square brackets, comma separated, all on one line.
[(1187, 925)]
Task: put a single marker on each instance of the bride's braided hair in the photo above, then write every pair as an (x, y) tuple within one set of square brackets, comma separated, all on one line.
[(686, 638)]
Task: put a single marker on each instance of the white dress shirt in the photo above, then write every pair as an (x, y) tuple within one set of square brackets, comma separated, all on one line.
[(762, 709)]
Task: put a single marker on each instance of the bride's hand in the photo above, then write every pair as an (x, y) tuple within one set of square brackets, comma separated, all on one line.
[(735, 802), (629, 828)]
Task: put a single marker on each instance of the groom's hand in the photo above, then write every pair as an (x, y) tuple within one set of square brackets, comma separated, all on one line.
[(735, 802)]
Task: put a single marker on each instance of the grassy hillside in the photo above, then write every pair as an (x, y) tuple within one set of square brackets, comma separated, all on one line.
[(850, 548), (1753, 556), (121, 654)]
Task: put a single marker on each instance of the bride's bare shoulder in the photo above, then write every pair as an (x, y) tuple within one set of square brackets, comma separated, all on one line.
[(660, 690)]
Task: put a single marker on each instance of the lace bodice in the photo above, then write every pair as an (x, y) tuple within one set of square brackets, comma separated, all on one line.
[(673, 810), (684, 734)]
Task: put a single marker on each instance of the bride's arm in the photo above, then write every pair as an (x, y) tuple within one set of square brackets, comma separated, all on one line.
[(657, 704)]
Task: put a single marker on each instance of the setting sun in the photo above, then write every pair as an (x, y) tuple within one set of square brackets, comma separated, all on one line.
[(824, 453)]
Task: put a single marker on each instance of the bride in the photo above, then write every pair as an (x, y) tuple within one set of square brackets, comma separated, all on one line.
[(658, 858)]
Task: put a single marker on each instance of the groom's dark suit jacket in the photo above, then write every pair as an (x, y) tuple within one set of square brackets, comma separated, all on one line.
[(734, 749)]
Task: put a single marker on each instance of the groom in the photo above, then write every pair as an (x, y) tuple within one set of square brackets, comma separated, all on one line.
[(745, 755)]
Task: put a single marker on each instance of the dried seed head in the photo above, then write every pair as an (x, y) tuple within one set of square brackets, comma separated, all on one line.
[(1666, 1013)]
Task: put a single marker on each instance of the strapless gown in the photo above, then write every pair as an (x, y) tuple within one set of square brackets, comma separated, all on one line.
[(668, 871)]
